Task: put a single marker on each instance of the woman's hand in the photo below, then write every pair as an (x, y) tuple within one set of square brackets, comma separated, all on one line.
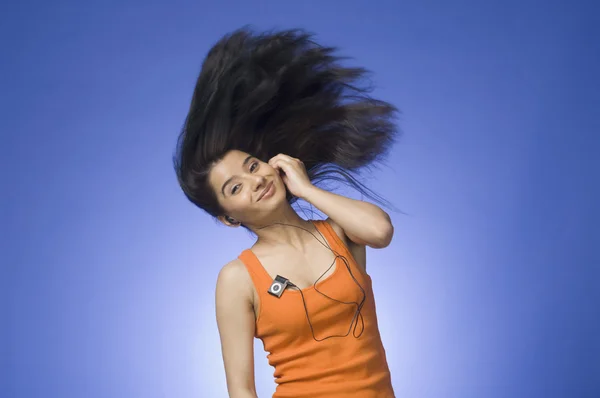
[(363, 223), (293, 173)]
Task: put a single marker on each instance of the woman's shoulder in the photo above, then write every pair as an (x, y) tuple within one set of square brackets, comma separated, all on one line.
[(233, 275), (358, 251), (339, 231)]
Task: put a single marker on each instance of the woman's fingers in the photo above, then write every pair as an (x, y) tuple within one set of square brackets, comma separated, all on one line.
[(285, 158)]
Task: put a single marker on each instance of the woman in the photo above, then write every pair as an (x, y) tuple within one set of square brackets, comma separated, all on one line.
[(273, 117)]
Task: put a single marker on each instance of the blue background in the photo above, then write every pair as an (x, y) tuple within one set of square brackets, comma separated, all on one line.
[(489, 289)]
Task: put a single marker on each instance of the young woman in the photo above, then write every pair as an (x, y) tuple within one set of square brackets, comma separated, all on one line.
[(273, 117)]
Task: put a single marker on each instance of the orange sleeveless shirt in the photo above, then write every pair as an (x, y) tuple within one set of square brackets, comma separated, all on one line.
[(333, 368)]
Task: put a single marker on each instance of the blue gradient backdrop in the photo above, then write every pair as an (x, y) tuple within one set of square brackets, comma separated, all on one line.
[(490, 288)]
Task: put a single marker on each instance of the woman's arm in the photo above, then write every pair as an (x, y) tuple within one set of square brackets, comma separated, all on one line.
[(236, 323), (363, 223)]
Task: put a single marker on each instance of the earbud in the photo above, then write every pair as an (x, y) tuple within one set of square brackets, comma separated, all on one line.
[(230, 220)]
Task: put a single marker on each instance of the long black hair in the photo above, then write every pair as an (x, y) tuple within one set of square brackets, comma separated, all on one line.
[(281, 92)]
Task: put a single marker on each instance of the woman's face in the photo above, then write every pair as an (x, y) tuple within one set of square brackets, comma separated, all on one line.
[(247, 188)]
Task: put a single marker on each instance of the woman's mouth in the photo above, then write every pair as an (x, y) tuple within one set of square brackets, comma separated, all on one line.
[(267, 192)]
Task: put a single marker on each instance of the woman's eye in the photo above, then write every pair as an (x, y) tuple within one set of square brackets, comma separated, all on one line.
[(253, 167), (235, 189)]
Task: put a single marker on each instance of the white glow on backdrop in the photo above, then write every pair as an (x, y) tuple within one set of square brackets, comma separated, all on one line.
[(489, 288)]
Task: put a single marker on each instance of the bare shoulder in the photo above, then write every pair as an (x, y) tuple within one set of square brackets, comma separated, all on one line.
[(338, 230), (234, 277), (233, 271), (359, 252), (340, 233)]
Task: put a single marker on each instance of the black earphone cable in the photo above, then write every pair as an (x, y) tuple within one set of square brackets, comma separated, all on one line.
[(357, 315)]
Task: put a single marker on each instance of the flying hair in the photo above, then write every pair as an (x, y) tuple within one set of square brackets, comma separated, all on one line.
[(281, 92)]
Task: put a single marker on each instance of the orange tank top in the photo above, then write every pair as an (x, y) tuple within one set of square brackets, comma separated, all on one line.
[(335, 367)]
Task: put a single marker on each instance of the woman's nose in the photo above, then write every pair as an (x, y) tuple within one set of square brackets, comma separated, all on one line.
[(258, 181)]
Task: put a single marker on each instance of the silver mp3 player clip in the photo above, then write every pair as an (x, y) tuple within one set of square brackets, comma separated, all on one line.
[(278, 286)]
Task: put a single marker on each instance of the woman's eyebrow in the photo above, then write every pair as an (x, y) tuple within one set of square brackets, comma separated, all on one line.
[(231, 178)]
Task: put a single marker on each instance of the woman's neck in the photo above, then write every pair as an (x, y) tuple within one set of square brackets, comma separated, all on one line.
[(285, 228)]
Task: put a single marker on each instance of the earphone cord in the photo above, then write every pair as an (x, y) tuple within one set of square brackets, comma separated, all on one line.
[(357, 315)]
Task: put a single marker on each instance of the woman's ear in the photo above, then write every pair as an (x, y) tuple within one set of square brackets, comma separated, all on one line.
[(229, 221)]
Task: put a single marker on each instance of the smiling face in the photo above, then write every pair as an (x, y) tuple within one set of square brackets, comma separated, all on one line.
[(247, 188)]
